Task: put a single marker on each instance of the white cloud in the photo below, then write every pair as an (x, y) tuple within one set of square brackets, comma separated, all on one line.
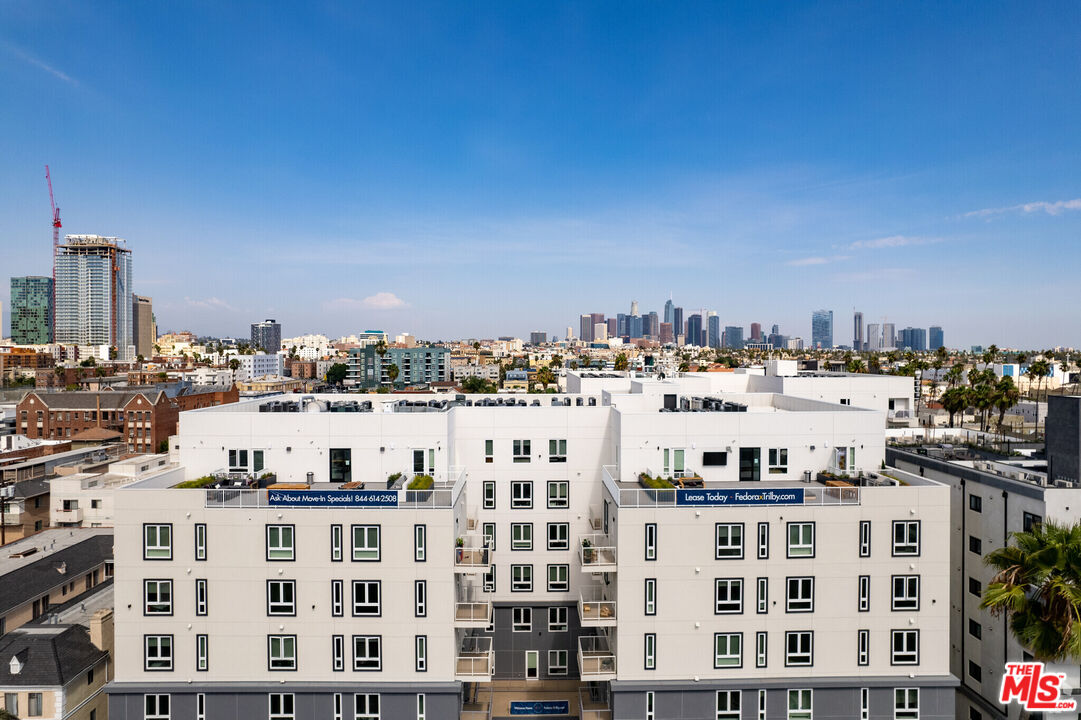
[(379, 301), (817, 260), (1051, 208), (892, 241), (30, 59), (211, 303)]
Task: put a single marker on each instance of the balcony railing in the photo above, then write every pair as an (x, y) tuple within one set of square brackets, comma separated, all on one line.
[(595, 606), (74, 515), (592, 709), (475, 661), (596, 553), (596, 660), (474, 554)]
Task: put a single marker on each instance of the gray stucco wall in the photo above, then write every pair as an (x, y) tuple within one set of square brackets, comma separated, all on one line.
[(510, 646)]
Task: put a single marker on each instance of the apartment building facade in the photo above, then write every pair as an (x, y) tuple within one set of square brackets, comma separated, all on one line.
[(536, 555)]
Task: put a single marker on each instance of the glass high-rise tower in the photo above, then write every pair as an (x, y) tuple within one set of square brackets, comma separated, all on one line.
[(822, 329), (93, 294), (32, 310)]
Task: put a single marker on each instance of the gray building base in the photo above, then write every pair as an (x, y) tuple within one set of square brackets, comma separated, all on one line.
[(313, 701), (833, 699)]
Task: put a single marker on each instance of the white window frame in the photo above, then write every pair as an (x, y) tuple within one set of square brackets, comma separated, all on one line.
[(864, 601), (761, 649), (277, 549), (363, 551), (489, 537), (561, 497), (202, 592), (282, 659), (863, 647), (524, 580), (727, 587), (727, 658), (558, 661), (650, 589), (337, 653), (906, 704), (804, 704), (732, 546), (488, 579), (865, 538), (158, 652), (651, 541), (337, 598), (489, 451), (162, 602), (803, 656), (286, 706), (558, 543), (728, 704), (365, 606), (281, 606), (559, 584), (336, 542), (200, 541), (374, 661), (156, 706), (420, 598), (338, 708), (908, 597), (420, 543), (558, 619), (910, 653), (557, 451), (521, 536), (488, 495), (799, 546), (521, 451), (763, 540), (521, 619), (778, 461), (762, 595), (865, 703), (202, 652), (649, 651), (366, 706), (906, 538), (521, 495), (422, 707), (155, 546), (651, 707), (420, 653), (200, 706), (803, 599), (761, 704)]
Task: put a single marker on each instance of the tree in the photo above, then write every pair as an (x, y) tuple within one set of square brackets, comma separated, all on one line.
[(476, 345), (621, 362), (556, 362), (1006, 396), (1037, 588), (336, 373), (89, 362), (392, 373), (545, 377), (954, 401), (855, 365), (234, 364), (477, 384)]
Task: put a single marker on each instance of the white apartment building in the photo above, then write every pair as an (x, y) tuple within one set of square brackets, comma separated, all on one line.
[(253, 367), (84, 499), (755, 591)]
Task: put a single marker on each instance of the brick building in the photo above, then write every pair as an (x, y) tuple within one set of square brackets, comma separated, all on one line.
[(15, 359), (144, 417)]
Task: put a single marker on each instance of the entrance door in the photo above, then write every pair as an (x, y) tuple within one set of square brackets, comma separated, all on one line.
[(750, 464), (532, 659)]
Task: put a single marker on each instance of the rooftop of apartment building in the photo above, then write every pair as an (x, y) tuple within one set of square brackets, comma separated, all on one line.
[(31, 566), (46, 655), (1024, 473)]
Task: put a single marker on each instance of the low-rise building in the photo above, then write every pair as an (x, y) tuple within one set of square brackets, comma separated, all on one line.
[(417, 365), (86, 499)]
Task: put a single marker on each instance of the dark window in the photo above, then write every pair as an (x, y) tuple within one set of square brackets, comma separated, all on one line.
[(975, 587), (340, 465), (975, 671), (750, 460), (714, 458), (1029, 521), (975, 503), (975, 545), (975, 629)]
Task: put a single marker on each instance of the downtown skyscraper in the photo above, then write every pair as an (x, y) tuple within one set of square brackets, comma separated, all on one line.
[(822, 329), (93, 294), (32, 310)]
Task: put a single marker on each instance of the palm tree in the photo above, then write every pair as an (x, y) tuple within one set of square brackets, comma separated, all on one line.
[(1006, 396), (621, 362), (392, 372), (855, 365), (545, 377), (1038, 587), (234, 364)]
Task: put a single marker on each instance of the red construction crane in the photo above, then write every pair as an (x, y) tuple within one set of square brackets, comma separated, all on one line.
[(56, 243)]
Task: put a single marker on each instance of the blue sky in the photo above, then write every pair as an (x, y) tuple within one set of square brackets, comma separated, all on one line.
[(474, 169)]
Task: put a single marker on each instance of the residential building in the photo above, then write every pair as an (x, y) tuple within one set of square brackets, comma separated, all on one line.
[(258, 365), (1063, 426), (538, 338), (858, 343), (80, 499), (31, 310), (733, 337), (48, 570), (144, 329), (269, 385), (990, 500), (93, 294), (26, 510), (488, 372), (416, 366), (822, 329), (935, 338), (537, 555), (267, 335)]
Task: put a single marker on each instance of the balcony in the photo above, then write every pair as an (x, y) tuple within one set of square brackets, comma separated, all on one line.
[(474, 554), (596, 553), (596, 660), (596, 518), (473, 606), (69, 517), (475, 661), (597, 606)]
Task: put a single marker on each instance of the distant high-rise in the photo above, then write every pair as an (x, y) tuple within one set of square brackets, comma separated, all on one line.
[(634, 308), (889, 335), (678, 327), (654, 328), (874, 336), (267, 335), (733, 337), (613, 327), (756, 332), (93, 294), (713, 330), (570, 333), (934, 338), (694, 330), (31, 310), (585, 328), (600, 332), (666, 336), (822, 329), (913, 339), (857, 331), (537, 337), (142, 314), (596, 319), (622, 326), (669, 309), (634, 326)]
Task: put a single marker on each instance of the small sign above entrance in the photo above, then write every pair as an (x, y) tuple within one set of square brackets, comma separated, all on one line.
[(540, 707)]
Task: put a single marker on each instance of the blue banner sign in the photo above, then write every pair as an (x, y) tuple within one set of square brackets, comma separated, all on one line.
[(540, 707), (333, 498), (740, 496)]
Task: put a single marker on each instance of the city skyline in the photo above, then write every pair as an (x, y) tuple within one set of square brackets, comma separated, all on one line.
[(821, 147)]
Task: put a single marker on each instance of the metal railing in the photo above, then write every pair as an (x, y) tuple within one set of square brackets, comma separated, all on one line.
[(590, 709), (595, 656), (596, 552), (474, 553), (475, 658), (594, 605)]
